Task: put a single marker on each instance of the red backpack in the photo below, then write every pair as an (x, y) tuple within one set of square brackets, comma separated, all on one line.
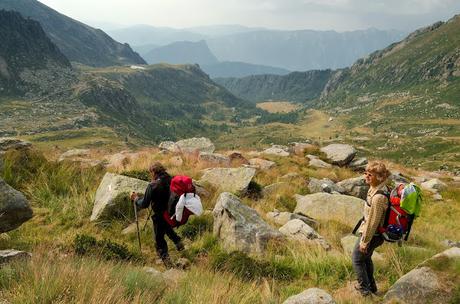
[(180, 184)]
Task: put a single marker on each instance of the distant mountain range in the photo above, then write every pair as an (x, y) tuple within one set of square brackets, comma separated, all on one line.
[(79, 42)]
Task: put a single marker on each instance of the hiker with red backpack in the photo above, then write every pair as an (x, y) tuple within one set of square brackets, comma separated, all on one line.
[(157, 196), (388, 216), (173, 200)]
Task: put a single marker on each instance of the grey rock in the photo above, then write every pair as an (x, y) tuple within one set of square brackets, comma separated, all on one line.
[(195, 144), (434, 185), (297, 230), (273, 188), (169, 146), (356, 187), (311, 296), (74, 153), (282, 218), (237, 157), (417, 286), (277, 150), (323, 185), (9, 255), (339, 154), (234, 180), (398, 177), (449, 243), (261, 164), (324, 206), (7, 143), (437, 197), (14, 208), (112, 185), (239, 227), (358, 164), (315, 162), (300, 148), (214, 158)]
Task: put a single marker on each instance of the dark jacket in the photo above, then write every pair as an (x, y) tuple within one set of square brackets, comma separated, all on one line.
[(156, 194)]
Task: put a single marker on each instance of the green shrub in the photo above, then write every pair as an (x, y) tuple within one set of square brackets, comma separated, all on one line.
[(196, 226), (254, 191), (139, 174), (285, 203), (107, 249)]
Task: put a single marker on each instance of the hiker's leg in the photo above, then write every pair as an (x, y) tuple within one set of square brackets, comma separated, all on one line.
[(359, 266), (159, 231), (375, 242), (173, 236)]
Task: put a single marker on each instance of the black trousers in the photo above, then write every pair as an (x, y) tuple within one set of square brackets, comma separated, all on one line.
[(363, 266), (160, 229)]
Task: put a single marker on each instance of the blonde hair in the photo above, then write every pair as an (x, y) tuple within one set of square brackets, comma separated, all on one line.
[(379, 169)]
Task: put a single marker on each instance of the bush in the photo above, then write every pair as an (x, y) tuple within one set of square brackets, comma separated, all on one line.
[(254, 191), (285, 203), (248, 268), (196, 226), (107, 249)]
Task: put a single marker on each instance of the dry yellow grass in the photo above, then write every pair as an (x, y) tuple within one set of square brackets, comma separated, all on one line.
[(278, 106)]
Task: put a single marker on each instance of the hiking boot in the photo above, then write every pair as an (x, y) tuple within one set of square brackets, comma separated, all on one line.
[(167, 262), (180, 246), (373, 288), (364, 292)]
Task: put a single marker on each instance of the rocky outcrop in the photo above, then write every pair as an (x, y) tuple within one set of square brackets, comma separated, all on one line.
[(300, 148), (7, 143), (14, 208), (324, 206), (323, 185), (261, 164), (297, 230), (358, 164), (107, 199), (311, 296), (282, 218), (433, 185), (431, 282), (316, 162), (356, 187), (240, 228), (214, 158), (195, 144), (235, 180), (9, 255), (339, 154), (169, 146), (277, 150)]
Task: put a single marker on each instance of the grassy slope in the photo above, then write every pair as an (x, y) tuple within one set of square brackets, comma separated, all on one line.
[(62, 196)]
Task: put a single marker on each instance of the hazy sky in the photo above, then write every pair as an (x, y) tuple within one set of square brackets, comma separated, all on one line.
[(338, 15)]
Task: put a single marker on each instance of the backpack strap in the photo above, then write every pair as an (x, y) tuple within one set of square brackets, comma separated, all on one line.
[(358, 224)]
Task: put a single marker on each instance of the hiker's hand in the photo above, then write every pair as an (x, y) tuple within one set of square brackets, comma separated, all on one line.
[(134, 196), (363, 248)]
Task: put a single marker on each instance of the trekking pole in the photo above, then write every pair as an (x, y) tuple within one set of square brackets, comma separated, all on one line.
[(137, 226), (147, 220)]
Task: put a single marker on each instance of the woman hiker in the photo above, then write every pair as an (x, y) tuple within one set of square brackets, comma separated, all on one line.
[(376, 175)]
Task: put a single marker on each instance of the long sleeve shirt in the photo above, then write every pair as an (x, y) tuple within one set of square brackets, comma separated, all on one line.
[(156, 195), (374, 213)]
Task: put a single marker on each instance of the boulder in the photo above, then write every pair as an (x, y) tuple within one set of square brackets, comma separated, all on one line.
[(398, 178), (282, 218), (430, 282), (261, 164), (277, 150), (214, 158), (239, 227), (14, 208), (195, 144), (74, 154), (113, 185), (7, 143), (311, 296), (324, 206), (315, 162), (449, 243), (323, 185), (416, 286), (356, 187), (297, 230), (169, 146), (273, 188), (237, 158), (234, 180), (358, 164), (339, 154), (434, 185), (300, 148), (9, 255)]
